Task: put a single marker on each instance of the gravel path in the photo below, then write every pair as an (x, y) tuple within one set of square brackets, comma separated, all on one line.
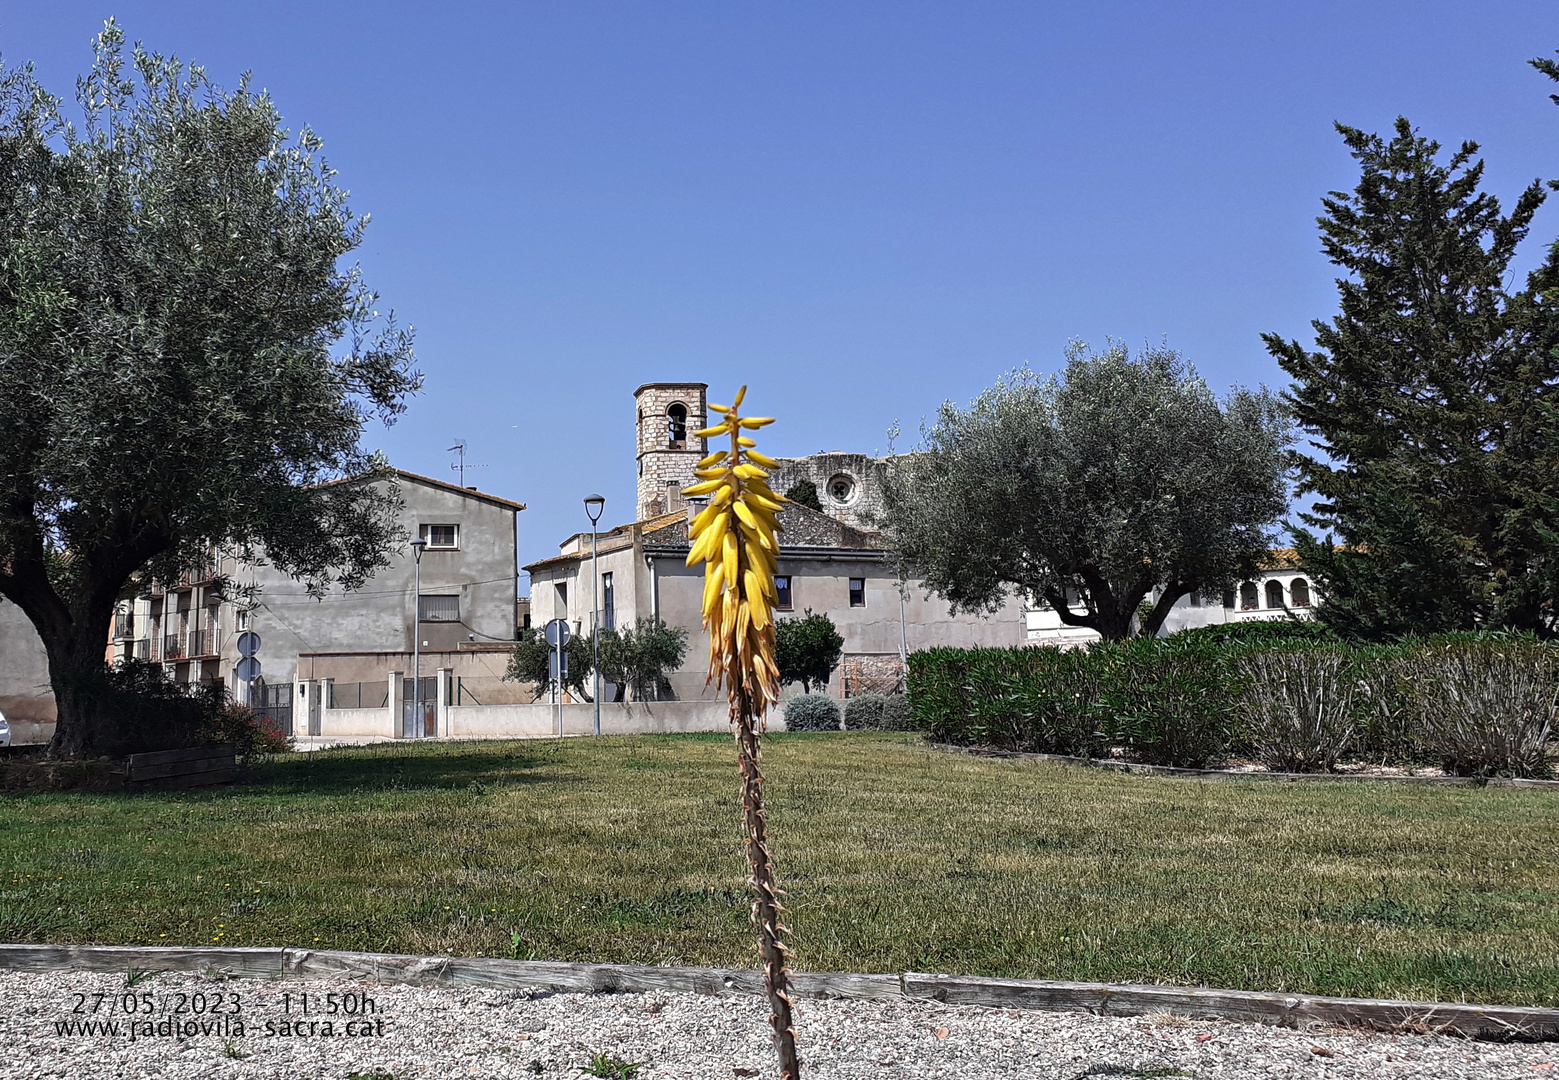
[(416, 1032)]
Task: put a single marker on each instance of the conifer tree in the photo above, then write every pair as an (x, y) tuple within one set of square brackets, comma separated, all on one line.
[(1424, 396)]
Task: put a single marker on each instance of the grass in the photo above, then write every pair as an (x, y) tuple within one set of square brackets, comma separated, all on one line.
[(896, 858)]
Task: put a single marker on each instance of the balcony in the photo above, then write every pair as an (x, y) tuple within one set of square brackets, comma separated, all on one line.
[(173, 647), (124, 626), (203, 641), (198, 575), (135, 649)]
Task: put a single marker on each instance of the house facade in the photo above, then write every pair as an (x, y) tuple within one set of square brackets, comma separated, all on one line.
[(349, 646)]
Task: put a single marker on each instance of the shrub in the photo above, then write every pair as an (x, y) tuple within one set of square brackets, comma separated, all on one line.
[(1169, 702), (154, 712), (878, 712), (1477, 703), (247, 731), (811, 712), (1260, 632), (1484, 707), (1038, 699), (1297, 707)]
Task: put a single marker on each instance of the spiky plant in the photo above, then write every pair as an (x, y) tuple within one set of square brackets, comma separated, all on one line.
[(734, 536)]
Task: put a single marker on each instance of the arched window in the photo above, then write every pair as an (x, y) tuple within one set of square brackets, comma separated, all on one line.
[(1248, 599), (676, 424), (1299, 591), (1275, 594)]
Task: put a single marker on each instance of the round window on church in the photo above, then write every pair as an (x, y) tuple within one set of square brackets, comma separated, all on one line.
[(841, 489)]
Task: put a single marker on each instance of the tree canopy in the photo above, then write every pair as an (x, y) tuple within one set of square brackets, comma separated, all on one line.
[(184, 359), (807, 650), (639, 658), (1430, 398), (1090, 491)]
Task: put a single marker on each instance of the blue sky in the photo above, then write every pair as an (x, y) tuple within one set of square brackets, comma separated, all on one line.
[(860, 209)]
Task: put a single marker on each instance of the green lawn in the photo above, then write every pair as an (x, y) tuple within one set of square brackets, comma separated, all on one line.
[(896, 857)]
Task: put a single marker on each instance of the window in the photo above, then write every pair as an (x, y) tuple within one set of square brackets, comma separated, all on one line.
[(842, 489), (438, 608), (1300, 591), (560, 593), (782, 593), (857, 592), (1275, 594), (608, 602), (441, 536), (1249, 601), (676, 424)]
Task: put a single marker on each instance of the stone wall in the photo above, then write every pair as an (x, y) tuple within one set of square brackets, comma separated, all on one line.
[(849, 486)]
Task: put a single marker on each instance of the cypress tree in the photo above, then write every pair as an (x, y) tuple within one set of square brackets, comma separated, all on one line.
[(1424, 397)]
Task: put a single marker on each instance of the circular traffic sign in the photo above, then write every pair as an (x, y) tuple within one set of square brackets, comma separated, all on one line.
[(558, 633), (248, 669), (248, 643)]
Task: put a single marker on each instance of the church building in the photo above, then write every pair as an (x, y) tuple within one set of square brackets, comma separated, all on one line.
[(832, 562)]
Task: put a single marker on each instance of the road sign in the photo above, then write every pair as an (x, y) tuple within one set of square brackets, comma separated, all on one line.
[(248, 643), (248, 669), (557, 665), (558, 633)]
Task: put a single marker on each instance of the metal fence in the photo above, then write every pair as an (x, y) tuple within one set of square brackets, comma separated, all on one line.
[(359, 695), (275, 703), (491, 690)]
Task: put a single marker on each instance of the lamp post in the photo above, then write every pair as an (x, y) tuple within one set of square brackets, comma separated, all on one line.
[(594, 505), (417, 547)]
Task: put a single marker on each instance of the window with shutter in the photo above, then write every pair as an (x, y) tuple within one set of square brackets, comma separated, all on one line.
[(438, 608)]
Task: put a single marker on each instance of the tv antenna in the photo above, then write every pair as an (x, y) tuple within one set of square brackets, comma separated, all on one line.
[(461, 466)]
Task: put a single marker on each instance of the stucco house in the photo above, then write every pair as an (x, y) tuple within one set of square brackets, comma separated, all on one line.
[(351, 648)]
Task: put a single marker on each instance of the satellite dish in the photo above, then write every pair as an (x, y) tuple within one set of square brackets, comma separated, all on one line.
[(248, 643), (248, 669)]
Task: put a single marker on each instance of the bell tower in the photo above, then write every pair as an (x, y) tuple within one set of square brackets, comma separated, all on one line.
[(668, 415)]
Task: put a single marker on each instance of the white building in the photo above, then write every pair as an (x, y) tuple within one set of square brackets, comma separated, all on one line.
[(1280, 590)]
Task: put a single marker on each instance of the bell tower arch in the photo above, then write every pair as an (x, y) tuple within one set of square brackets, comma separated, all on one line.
[(668, 451)]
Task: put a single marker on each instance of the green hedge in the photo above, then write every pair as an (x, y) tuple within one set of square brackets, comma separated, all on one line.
[(1184, 700)]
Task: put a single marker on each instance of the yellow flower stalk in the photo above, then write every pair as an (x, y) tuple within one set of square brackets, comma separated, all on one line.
[(734, 537)]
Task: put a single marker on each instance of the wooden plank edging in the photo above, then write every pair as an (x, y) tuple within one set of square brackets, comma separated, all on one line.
[(1139, 769), (1498, 1022)]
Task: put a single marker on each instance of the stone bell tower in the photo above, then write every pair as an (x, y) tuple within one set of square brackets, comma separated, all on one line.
[(668, 414)]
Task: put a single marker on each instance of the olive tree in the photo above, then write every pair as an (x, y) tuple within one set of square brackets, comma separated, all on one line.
[(184, 358), (1090, 491)]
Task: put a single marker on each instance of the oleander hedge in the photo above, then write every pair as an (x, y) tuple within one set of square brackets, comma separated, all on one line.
[(1290, 694)]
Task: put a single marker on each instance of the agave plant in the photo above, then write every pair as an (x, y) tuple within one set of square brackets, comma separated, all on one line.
[(734, 536)]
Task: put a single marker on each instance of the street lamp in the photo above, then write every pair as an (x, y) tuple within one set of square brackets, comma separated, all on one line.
[(417, 547), (594, 505)]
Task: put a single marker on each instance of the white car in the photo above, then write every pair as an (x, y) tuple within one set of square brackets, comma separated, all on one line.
[(5, 730)]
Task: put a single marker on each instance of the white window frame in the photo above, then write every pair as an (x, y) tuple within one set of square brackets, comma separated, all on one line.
[(426, 533)]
